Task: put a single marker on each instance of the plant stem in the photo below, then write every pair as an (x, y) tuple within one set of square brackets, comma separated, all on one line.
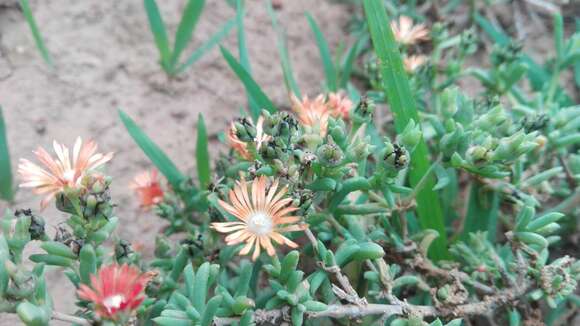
[(70, 319)]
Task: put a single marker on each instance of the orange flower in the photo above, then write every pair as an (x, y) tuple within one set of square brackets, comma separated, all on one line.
[(339, 105), (312, 113), (242, 147), (62, 173), (116, 290), (413, 62), (406, 33), (146, 184), (262, 214)]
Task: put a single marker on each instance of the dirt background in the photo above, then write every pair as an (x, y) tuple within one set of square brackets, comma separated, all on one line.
[(105, 59)]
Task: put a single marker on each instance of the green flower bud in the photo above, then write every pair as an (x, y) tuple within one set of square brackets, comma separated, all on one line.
[(162, 247), (478, 155), (241, 304), (492, 119), (411, 135), (245, 130), (362, 149), (330, 155), (364, 111), (448, 103)]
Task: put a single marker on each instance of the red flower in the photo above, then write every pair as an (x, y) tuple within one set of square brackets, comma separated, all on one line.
[(147, 186), (116, 290)]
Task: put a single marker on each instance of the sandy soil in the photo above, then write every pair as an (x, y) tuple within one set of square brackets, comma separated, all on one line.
[(105, 59)]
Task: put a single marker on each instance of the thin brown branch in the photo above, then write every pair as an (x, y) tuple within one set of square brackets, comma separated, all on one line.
[(345, 291), (401, 308)]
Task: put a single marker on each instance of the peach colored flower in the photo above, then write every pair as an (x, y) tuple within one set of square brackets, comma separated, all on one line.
[(242, 147), (116, 290), (339, 105), (407, 33), (262, 212), (313, 113), (413, 62), (146, 184), (62, 173)]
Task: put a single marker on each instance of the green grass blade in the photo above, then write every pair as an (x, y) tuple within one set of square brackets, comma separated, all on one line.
[(289, 80), (402, 103), (189, 20), (252, 88), (153, 152), (243, 50), (40, 45), (577, 64), (159, 32), (348, 63), (208, 45), (482, 212), (6, 189), (559, 36), (326, 57), (202, 154)]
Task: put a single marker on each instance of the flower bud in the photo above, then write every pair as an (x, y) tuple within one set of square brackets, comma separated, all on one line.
[(448, 104), (162, 247), (492, 119), (478, 154), (330, 155), (245, 130), (411, 135), (364, 110)]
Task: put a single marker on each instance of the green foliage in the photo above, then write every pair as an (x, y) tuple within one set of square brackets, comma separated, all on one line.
[(402, 104), (359, 199), (289, 80), (170, 58), (6, 187), (252, 88), (202, 154), (325, 56), (155, 154), (38, 39)]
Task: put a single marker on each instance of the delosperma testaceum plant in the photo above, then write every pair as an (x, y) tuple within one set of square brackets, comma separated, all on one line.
[(437, 208)]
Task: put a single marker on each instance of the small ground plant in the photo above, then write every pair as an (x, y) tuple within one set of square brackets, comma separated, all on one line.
[(402, 202)]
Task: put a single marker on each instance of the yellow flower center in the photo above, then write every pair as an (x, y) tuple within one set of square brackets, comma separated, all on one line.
[(113, 302), (260, 223)]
